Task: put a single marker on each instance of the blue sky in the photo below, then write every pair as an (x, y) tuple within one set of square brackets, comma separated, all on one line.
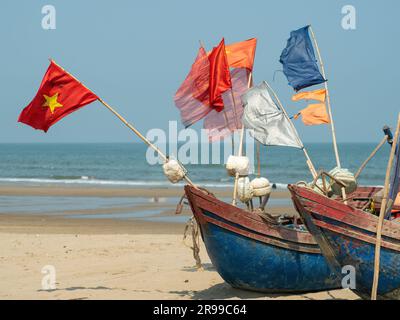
[(135, 55)]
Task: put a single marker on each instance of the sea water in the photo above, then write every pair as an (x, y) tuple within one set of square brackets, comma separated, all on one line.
[(124, 164)]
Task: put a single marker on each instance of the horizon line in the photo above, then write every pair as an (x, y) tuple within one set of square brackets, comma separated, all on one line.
[(140, 142)]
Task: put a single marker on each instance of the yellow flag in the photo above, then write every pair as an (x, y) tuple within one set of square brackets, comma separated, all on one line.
[(318, 95)]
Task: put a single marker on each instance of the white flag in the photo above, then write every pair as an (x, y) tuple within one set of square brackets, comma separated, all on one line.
[(270, 125)]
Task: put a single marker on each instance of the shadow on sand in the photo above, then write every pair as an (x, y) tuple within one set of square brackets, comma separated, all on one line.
[(225, 291), (221, 291)]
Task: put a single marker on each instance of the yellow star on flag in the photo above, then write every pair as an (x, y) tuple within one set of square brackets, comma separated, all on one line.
[(52, 102)]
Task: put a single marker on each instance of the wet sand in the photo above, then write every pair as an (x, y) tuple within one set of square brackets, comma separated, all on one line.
[(98, 191), (111, 258)]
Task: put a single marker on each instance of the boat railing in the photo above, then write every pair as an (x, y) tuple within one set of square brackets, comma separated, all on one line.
[(326, 184)]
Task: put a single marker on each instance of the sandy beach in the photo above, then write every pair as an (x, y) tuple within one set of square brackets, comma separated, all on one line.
[(108, 258)]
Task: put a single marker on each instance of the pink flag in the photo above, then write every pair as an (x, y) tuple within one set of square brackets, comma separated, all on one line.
[(192, 97), (222, 124)]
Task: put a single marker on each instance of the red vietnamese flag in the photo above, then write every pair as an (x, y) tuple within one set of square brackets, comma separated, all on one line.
[(220, 78), (59, 95)]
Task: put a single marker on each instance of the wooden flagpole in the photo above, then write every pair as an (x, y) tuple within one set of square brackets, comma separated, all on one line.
[(145, 140), (227, 126), (328, 101), (234, 108), (308, 159), (258, 159), (240, 152), (370, 157), (382, 213), (388, 138)]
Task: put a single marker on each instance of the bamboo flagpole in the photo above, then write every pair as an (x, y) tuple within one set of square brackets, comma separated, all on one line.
[(145, 140), (142, 137), (227, 127), (328, 102), (379, 146), (240, 152), (328, 99), (388, 138), (308, 159), (234, 108), (236, 121), (258, 159), (382, 213)]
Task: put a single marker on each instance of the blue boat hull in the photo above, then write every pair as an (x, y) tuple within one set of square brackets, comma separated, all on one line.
[(248, 264), (253, 259), (360, 255)]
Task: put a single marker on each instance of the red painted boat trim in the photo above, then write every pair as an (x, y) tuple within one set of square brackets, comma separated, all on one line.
[(315, 204), (262, 231), (354, 234)]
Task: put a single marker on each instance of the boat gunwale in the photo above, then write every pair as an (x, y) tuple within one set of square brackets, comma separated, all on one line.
[(264, 232), (315, 204)]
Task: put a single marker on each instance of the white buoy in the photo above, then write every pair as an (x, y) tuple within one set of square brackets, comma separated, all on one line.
[(173, 171), (237, 164), (261, 187), (245, 190), (345, 176)]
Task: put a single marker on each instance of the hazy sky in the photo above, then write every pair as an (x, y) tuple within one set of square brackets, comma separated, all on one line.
[(135, 55)]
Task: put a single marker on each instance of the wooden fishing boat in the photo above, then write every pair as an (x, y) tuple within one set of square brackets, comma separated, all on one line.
[(252, 254), (346, 235)]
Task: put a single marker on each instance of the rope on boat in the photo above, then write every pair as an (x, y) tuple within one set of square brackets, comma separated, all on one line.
[(193, 228), (179, 206), (323, 185)]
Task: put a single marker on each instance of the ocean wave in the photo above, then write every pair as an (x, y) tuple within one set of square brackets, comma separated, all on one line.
[(88, 181), (71, 177), (85, 180)]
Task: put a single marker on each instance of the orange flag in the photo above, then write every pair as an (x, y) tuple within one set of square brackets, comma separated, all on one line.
[(318, 95), (314, 114), (241, 54), (220, 78)]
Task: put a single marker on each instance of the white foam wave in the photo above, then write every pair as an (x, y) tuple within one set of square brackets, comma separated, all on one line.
[(84, 180)]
